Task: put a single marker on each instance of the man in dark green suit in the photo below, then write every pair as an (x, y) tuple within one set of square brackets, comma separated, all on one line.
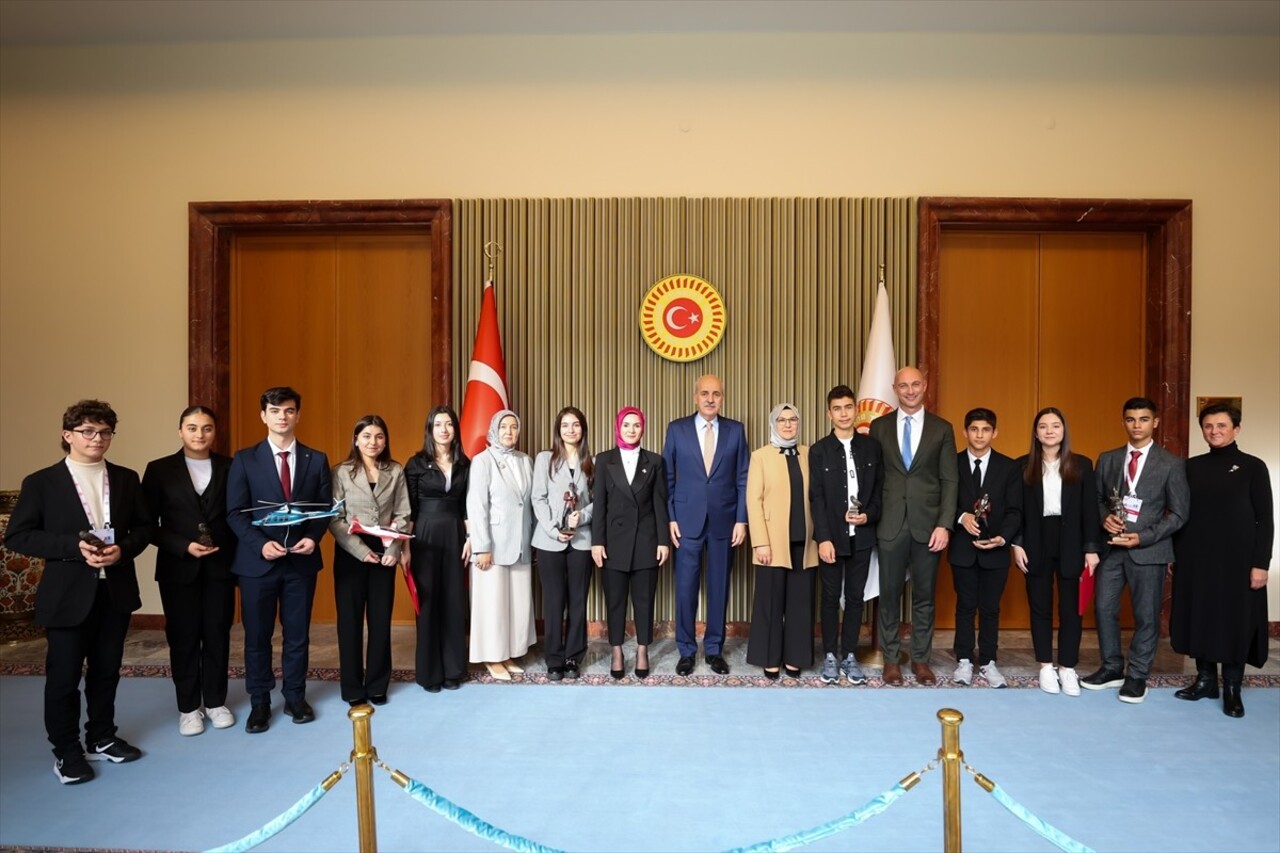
[(917, 509)]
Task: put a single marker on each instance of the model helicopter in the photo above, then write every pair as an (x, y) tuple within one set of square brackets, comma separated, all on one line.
[(386, 534), (288, 515)]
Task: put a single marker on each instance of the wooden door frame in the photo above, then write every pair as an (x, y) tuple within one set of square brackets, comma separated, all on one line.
[(213, 224), (1166, 224)]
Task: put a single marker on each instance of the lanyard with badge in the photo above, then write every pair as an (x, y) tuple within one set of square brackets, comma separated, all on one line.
[(104, 534), (1132, 503)]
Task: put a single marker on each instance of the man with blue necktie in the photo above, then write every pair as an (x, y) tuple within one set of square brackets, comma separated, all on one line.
[(706, 458)]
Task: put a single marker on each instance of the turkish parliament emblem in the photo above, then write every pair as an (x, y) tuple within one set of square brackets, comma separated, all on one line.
[(682, 318)]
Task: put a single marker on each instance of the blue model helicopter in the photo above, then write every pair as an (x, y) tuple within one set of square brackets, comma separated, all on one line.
[(287, 515)]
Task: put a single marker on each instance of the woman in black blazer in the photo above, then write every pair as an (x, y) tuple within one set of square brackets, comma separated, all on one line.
[(1059, 538), (187, 493), (630, 535)]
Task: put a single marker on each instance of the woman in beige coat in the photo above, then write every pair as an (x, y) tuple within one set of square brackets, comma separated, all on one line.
[(783, 549)]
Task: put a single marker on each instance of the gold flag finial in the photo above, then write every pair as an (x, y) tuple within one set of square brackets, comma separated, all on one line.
[(882, 273), (491, 251)]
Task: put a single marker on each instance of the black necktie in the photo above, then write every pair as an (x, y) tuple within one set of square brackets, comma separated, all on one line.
[(977, 475)]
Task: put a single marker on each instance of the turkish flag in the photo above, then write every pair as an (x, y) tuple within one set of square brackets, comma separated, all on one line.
[(486, 391)]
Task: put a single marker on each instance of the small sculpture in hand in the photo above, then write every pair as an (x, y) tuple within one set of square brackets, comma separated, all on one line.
[(570, 507), (205, 539), (1115, 508), (91, 539), (981, 512), (855, 509)]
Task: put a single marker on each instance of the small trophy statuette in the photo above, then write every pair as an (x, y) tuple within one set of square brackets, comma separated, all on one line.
[(981, 511), (855, 508), (205, 539), (1115, 508), (570, 507)]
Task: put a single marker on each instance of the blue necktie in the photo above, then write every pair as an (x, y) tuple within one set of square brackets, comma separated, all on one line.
[(906, 443)]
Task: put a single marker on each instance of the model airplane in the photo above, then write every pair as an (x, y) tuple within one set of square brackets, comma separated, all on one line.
[(288, 515), (386, 534)]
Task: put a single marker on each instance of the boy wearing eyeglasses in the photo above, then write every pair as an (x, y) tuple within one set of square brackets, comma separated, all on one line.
[(87, 519)]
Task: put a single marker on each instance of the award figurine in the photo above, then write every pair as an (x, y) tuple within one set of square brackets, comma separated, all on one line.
[(570, 507), (205, 539), (855, 508), (981, 510), (1115, 508)]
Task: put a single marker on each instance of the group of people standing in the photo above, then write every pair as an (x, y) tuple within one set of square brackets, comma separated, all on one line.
[(903, 489)]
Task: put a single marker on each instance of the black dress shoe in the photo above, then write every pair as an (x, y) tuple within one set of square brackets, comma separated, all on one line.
[(618, 674), (1103, 679), (356, 703), (1134, 690), (792, 672), (772, 674), (642, 673), (685, 665), (555, 673), (431, 688), (718, 664), (1231, 704), (380, 699), (571, 669), (1204, 687), (259, 719), (452, 684), (300, 711)]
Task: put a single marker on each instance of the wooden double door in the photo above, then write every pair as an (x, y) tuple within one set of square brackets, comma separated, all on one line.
[(346, 320), (1028, 320)]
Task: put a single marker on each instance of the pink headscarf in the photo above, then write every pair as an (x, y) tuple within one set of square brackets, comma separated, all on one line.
[(617, 426)]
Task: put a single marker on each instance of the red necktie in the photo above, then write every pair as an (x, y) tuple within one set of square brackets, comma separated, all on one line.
[(285, 485), (1133, 465)]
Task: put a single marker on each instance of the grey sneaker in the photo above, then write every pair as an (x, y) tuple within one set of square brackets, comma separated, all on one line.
[(964, 672), (852, 672), (993, 676), (830, 670)]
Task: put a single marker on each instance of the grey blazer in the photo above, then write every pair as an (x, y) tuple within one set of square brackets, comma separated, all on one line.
[(548, 505), (1166, 500), (924, 497), (385, 505), (499, 508)]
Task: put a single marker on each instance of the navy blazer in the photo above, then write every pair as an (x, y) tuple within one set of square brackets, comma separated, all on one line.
[(178, 512), (829, 490), (702, 504), (1002, 484), (46, 523), (253, 483)]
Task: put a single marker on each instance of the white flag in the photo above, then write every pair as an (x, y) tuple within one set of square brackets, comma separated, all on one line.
[(875, 397)]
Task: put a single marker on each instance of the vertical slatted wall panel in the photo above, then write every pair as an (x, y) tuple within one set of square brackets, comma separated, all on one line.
[(798, 277)]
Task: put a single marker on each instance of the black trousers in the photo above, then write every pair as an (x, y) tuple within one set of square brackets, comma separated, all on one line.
[(99, 642), (782, 614), (197, 625), (289, 593), (642, 584), (978, 590), (363, 592), (1040, 581), (850, 574), (566, 579), (442, 618)]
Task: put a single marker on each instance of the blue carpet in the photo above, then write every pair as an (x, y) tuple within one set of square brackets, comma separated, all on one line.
[(595, 768)]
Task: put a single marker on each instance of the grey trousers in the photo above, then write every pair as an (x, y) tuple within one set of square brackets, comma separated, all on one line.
[(1146, 590), (896, 555)]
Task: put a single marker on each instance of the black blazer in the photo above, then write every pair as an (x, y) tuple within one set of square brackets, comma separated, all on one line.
[(1081, 527), (829, 490), (1002, 483), (46, 522), (178, 511), (630, 519)]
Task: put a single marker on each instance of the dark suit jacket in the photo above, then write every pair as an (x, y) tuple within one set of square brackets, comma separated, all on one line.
[(629, 519), (255, 477), (46, 523), (702, 504), (1002, 483), (178, 511), (1081, 528), (829, 490), (924, 497), (1166, 500)]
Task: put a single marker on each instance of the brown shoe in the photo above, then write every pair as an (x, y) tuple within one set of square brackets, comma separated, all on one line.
[(923, 674), (892, 675)]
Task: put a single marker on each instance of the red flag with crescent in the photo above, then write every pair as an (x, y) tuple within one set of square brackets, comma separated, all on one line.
[(486, 391)]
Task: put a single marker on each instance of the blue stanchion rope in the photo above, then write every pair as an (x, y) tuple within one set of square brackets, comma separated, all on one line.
[(468, 821), (294, 812), (1052, 834), (808, 836)]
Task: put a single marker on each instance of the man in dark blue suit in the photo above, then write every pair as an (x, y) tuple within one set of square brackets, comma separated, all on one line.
[(277, 566), (706, 458)]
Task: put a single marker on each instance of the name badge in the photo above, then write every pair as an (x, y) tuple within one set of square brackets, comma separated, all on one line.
[(1132, 506), (106, 534)]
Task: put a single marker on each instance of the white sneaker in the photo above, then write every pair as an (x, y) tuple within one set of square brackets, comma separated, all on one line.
[(964, 673), (1070, 681), (221, 717), (190, 723), (993, 676), (1049, 679)]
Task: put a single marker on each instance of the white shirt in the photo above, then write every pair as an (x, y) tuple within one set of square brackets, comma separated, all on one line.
[(201, 471), (1051, 482), (1142, 463), (291, 450), (917, 426), (630, 459), (852, 492)]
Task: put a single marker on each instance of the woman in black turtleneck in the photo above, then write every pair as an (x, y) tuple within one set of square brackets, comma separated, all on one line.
[(1223, 553)]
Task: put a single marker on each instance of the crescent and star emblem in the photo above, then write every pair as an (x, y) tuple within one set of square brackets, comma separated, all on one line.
[(682, 318), (675, 325)]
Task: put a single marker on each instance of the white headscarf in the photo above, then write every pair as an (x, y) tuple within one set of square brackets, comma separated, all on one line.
[(492, 437), (775, 439)]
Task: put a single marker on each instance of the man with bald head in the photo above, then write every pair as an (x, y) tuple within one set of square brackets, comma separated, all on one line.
[(917, 508), (706, 458)]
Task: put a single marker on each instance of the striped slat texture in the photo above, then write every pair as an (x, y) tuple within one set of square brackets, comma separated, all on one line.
[(798, 277)]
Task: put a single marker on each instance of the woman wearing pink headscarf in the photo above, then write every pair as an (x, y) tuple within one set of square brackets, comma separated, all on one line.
[(629, 535)]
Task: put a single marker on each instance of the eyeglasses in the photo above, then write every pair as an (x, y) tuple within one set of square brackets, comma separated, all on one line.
[(788, 421), (89, 434)]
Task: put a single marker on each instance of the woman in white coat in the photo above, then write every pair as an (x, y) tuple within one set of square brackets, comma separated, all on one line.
[(501, 517)]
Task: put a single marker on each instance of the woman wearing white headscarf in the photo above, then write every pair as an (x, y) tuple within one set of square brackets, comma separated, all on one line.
[(783, 549), (501, 517)]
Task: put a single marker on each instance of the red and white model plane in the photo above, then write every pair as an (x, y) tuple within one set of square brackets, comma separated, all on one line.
[(386, 534)]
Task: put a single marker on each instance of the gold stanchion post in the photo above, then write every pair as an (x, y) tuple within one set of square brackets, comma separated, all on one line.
[(952, 760), (363, 755)]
